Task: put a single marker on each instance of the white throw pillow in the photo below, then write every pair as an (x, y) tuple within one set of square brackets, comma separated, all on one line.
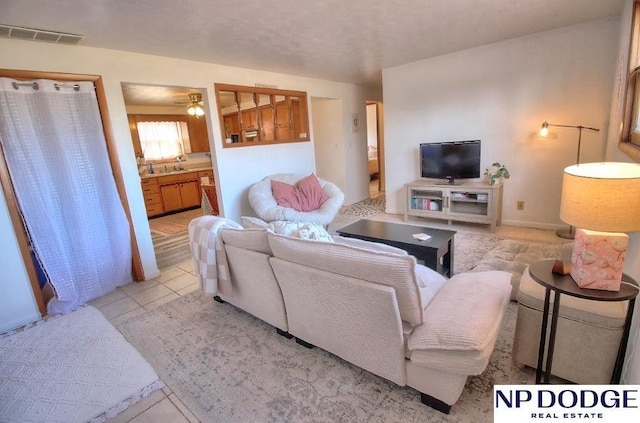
[(300, 230)]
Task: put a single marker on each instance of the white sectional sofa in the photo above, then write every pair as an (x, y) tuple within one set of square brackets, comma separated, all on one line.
[(370, 304)]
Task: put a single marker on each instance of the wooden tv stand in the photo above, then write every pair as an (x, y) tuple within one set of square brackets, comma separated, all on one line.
[(475, 202)]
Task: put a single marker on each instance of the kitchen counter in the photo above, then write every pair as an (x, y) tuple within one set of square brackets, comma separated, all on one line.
[(176, 172)]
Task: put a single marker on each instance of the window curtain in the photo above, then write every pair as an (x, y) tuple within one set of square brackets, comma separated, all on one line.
[(54, 146), (162, 140)]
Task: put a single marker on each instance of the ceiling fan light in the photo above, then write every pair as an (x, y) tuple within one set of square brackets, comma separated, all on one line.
[(199, 111)]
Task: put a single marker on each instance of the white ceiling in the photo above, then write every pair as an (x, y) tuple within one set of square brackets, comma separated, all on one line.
[(340, 40)]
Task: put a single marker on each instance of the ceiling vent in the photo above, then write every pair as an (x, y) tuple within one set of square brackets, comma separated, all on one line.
[(32, 34)]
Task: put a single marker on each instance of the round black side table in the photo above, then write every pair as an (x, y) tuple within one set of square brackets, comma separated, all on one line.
[(541, 273)]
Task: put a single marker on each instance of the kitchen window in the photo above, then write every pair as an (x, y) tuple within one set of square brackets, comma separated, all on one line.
[(163, 140)]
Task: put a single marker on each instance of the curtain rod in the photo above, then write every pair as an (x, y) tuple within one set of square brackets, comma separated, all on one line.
[(35, 86)]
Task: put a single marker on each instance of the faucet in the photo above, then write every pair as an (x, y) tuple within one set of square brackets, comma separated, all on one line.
[(180, 165)]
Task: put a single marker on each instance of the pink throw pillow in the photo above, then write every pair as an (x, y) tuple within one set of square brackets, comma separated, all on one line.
[(306, 196)]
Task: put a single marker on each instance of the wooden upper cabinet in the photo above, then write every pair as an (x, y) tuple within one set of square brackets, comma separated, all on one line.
[(133, 127), (253, 116), (198, 134)]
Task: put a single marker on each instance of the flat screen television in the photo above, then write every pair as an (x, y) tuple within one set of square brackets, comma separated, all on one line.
[(450, 160)]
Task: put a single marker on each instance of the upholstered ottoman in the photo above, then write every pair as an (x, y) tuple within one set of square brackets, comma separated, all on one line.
[(587, 338)]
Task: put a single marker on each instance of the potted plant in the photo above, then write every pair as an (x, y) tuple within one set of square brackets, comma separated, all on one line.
[(496, 172)]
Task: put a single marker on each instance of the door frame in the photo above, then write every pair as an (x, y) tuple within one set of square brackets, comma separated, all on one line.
[(380, 143), (9, 193)]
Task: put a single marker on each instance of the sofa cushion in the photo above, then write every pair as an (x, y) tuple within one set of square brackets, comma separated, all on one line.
[(369, 245), (465, 314), (307, 195), (248, 239), (394, 270)]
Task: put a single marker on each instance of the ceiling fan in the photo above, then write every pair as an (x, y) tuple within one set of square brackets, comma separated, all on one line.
[(194, 105)]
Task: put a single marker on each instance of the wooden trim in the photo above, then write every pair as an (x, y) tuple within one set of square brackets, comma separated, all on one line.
[(381, 168), (244, 89), (302, 124), (631, 84), (7, 184), (159, 118), (114, 159)]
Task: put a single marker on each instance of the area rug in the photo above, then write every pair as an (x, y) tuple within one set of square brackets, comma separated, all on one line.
[(364, 208), (71, 368), (470, 247), (173, 223), (165, 228), (226, 365), (171, 250)]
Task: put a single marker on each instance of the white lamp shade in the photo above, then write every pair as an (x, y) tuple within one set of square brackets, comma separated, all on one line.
[(602, 196)]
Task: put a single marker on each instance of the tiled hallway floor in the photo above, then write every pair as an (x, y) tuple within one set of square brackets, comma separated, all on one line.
[(163, 406)]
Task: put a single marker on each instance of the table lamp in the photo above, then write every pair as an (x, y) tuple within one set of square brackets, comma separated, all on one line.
[(602, 200)]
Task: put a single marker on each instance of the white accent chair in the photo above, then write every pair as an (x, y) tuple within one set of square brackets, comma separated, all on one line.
[(267, 209)]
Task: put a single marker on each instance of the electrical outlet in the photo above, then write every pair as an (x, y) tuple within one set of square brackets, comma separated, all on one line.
[(520, 205)]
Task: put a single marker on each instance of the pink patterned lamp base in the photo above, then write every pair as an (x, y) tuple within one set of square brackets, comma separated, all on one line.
[(598, 258)]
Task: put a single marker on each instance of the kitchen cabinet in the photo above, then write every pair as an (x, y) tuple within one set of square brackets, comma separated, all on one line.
[(253, 116), (135, 138), (152, 197), (179, 191), (198, 134)]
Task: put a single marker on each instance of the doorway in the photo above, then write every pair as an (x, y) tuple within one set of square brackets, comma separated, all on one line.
[(10, 195), (171, 143), (375, 149)]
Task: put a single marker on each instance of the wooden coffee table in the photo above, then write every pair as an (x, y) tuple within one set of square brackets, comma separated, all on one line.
[(436, 252)]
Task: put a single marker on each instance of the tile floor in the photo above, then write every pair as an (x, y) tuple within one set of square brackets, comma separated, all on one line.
[(163, 406)]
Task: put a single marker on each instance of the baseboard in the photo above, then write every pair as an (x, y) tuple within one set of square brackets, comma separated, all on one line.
[(533, 225), (519, 223)]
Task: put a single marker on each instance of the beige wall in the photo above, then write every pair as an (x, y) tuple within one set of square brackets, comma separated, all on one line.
[(500, 94), (235, 169)]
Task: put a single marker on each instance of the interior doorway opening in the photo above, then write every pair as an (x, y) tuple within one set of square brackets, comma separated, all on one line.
[(375, 149), (172, 147)]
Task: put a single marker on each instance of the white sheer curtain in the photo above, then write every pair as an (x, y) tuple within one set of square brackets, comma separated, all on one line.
[(162, 140), (54, 146)]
